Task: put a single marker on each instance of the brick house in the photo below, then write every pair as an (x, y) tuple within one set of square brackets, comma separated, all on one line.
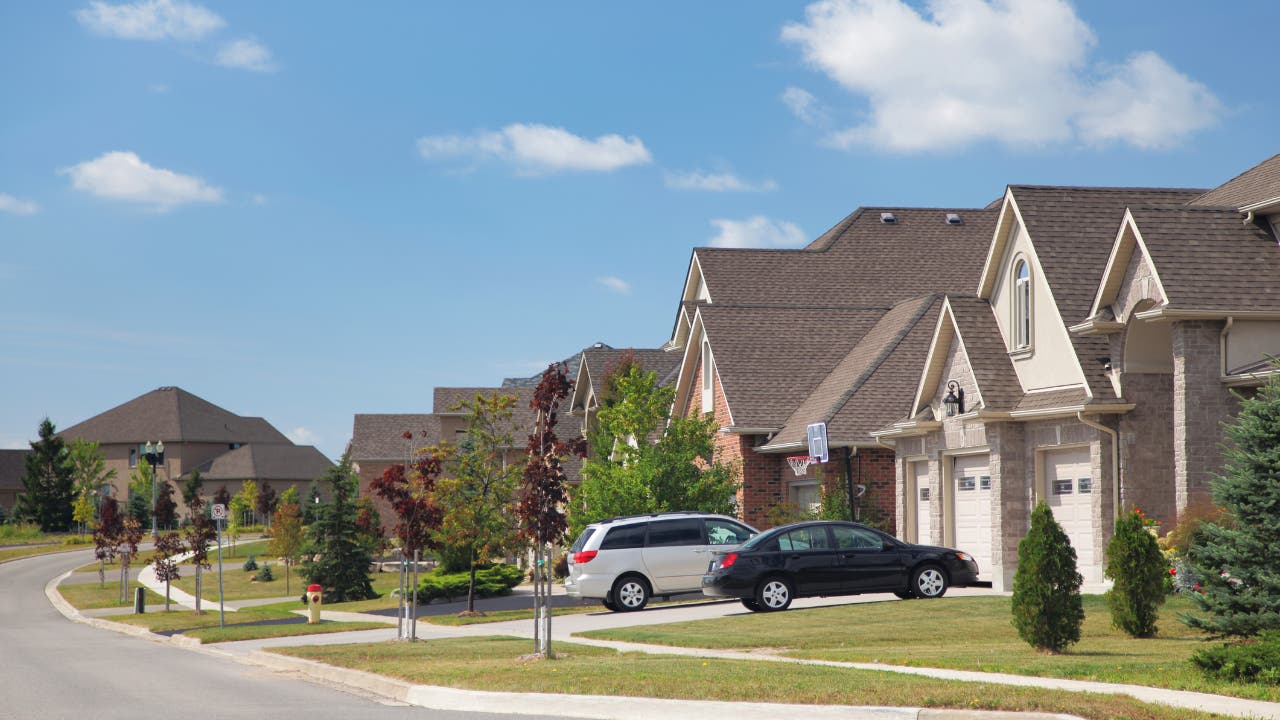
[(772, 340), (595, 364), (197, 435), (13, 466), (1092, 368)]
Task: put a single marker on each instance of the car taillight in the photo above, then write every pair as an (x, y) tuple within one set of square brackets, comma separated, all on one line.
[(728, 560), (585, 556)]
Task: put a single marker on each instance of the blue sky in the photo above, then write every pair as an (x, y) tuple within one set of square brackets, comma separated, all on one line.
[(308, 210)]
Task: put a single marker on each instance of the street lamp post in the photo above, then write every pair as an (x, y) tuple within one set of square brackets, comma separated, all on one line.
[(154, 455)]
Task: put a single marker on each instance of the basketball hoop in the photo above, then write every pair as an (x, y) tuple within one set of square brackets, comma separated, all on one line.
[(800, 463)]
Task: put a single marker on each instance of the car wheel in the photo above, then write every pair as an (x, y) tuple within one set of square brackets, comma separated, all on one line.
[(630, 592), (905, 595), (751, 605), (774, 594), (929, 582)]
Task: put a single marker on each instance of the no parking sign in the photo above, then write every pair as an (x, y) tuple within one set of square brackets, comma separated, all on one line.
[(218, 512)]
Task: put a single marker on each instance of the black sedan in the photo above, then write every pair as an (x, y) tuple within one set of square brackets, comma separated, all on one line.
[(833, 558)]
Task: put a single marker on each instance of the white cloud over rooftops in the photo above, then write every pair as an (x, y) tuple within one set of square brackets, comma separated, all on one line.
[(716, 182), (964, 71), (150, 20), (17, 206), (246, 54), (302, 436), (757, 232), (616, 284), (125, 177), (538, 149)]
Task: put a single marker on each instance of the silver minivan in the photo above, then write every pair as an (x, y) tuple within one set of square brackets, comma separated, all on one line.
[(623, 562)]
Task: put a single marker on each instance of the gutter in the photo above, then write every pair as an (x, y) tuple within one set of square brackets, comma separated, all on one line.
[(1115, 462), (1173, 314)]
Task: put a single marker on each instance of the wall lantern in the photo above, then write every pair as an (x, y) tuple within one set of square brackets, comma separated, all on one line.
[(954, 399)]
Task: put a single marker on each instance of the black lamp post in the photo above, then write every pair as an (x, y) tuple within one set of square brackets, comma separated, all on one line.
[(954, 401), (154, 455)]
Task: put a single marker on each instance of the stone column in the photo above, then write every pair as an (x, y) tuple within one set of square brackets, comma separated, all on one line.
[(1201, 403)]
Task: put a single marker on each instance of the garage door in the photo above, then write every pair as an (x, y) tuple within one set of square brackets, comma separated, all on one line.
[(971, 481), (1069, 490), (924, 500)]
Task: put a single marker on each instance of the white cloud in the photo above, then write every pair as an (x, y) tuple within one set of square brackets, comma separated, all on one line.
[(259, 199), (124, 176), (150, 20), (246, 54), (804, 106), (539, 149), (17, 206), (716, 182), (302, 436), (757, 232), (618, 285), (1016, 72)]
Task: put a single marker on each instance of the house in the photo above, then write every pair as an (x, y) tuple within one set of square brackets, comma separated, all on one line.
[(1091, 366), (774, 340), (598, 361), (197, 435), (13, 467)]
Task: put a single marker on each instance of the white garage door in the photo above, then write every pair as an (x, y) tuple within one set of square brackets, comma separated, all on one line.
[(971, 480), (1069, 490), (924, 500)]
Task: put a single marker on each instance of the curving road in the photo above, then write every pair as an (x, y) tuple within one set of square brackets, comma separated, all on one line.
[(52, 668)]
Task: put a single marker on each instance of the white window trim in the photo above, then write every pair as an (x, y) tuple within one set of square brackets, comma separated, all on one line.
[(1022, 327), (708, 379)]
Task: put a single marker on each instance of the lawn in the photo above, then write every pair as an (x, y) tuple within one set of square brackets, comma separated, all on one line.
[(491, 663), (247, 624), (238, 585), (11, 553), (972, 633), (88, 596)]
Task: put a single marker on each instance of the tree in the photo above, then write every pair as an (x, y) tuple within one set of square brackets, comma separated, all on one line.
[(477, 513), (249, 493), (1234, 556), (222, 496), (542, 492), (290, 495), (198, 535), (1047, 609), (140, 491), (88, 466), (191, 490), (1138, 568), (106, 536), (287, 536), (266, 503), (128, 548), (168, 546), (82, 511), (47, 484), (343, 565), (412, 498), (648, 461), (235, 518), (165, 509), (369, 526)]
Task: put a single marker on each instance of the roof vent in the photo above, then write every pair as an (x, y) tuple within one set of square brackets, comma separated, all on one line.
[(954, 219), (888, 218)]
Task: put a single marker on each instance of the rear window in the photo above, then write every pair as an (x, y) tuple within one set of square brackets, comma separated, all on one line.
[(581, 542), (627, 536), (764, 541), (805, 538), (675, 532)]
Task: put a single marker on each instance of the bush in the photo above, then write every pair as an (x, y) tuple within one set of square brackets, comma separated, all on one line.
[(1047, 609), (20, 532), (265, 574), (250, 565), (1138, 569), (491, 581), (77, 540), (1250, 661)]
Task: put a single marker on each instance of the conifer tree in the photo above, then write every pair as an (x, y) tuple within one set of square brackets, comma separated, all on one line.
[(1235, 558), (1047, 609), (1138, 570), (343, 565), (48, 489)]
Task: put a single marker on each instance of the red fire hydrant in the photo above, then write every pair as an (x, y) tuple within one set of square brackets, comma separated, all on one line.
[(313, 604)]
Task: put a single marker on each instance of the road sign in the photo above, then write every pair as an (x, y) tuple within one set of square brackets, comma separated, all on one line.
[(817, 433), (218, 512)]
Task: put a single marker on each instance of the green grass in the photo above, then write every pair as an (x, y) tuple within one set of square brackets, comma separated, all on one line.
[(237, 584), (14, 553), (491, 663), (502, 615), (971, 633), (206, 626), (89, 596)]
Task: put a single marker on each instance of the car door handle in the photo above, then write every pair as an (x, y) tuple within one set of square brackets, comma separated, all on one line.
[(702, 550)]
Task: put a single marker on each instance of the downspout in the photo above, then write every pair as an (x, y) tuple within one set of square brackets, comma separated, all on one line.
[(848, 480), (1222, 344), (1115, 462)]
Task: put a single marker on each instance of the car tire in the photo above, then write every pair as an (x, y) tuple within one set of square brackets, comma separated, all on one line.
[(774, 594), (751, 605), (905, 595), (630, 593), (609, 605), (929, 582)]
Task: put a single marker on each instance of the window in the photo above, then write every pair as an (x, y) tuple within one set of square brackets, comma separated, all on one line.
[(581, 542), (1084, 486), (723, 532), (1062, 487), (1021, 330), (984, 483), (663, 533), (133, 457), (848, 538), (234, 446), (924, 494), (966, 483), (805, 538), (628, 536), (806, 496), (708, 379)]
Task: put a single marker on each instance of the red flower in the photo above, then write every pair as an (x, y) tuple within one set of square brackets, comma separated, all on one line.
[(1173, 571), (406, 435)]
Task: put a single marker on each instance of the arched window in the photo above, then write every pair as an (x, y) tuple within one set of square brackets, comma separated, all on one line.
[(1021, 306), (708, 379)]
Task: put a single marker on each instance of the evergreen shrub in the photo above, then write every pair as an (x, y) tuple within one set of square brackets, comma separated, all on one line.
[(265, 574), (1253, 661), (491, 581), (1138, 569), (250, 565), (1047, 609)]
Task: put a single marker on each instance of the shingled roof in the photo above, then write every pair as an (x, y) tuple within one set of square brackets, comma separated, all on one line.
[(13, 465), (989, 360), (381, 436), (1257, 184), (171, 414), (296, 463), (599, 361)]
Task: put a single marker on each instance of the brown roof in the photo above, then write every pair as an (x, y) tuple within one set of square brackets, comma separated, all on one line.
[(858, 262), (1258, 183), (172, 414), (446, 399), (381, 436), (13, 465), (989, 360), (599, 361), (298, 463), (1208, 260), (874, 383), (1051, 399)]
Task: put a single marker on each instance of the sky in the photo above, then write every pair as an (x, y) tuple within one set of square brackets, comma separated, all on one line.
[(308, 210)]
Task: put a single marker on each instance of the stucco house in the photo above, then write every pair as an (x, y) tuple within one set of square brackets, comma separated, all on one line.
[(1090, 366)]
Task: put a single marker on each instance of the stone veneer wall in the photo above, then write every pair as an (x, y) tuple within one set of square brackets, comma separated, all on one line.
[(1010, 496), (1200, 404), (1146, 447)]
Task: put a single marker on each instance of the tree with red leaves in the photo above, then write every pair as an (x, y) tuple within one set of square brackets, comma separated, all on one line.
[(128, 548), (199, 534), (410, 488), (167, 546), (543, 496), (106, 536)]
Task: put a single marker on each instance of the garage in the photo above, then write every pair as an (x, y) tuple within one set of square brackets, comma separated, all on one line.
[(971, 487), (1069, 491), (923, 490)]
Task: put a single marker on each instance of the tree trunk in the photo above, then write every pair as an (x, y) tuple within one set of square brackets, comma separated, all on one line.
[(166, 596), (286, 577), (102, 573), (471, 589), (199, 589)]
